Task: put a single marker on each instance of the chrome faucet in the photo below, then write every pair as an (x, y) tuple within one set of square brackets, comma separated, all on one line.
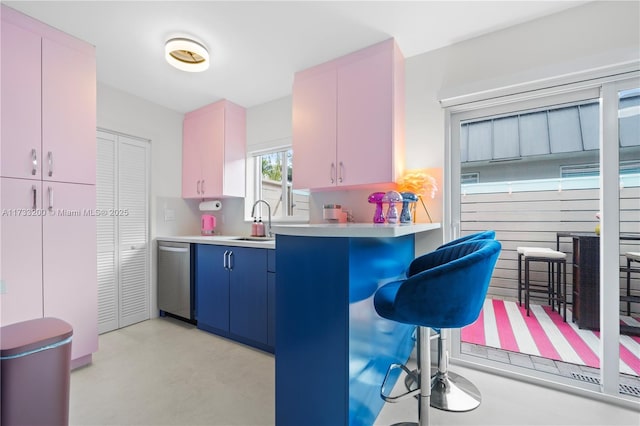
[(253, 215)]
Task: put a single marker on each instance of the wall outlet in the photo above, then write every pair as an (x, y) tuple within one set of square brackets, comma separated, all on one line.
[(169, 215)]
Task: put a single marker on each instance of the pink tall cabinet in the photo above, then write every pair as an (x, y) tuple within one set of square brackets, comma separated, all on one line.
[(213, 151), (47, 179), (348, 120)]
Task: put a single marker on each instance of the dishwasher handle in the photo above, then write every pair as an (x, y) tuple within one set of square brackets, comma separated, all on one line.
[(174, 249)]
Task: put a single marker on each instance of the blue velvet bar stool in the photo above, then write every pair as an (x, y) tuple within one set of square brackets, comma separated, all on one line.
[(482, 235), (451, 391), (447, 292)]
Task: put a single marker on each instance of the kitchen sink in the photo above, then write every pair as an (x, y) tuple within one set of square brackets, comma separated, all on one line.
[(254, 239)]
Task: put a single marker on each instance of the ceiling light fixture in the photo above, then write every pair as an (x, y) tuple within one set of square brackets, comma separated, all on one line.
[(186, 54)]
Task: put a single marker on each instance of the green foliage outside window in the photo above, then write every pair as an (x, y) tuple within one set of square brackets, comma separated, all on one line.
[(272, 166)]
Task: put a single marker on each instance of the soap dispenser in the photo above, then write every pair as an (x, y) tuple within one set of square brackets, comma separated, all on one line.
[(254, 228), (260, 228)]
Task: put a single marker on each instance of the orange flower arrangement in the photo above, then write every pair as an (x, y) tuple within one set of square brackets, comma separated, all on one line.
[(420, 183)]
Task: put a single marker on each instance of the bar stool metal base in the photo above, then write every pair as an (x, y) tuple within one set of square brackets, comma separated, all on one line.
[(449, 391), (452, 392)]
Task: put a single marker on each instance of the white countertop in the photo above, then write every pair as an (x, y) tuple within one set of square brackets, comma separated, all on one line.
[(358, 230), (222, 240)]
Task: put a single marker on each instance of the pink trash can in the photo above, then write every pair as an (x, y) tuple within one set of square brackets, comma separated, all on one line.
[(35, 364)]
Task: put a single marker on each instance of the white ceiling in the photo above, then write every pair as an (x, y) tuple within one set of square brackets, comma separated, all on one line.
[(256, 47)]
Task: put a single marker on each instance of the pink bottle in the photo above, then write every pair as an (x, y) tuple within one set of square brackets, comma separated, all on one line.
[(260, 228)]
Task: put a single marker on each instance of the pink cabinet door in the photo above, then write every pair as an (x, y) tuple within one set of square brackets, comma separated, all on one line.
[(70, 261), (213, 151), (235, 151), (69, 114), (21, 242), (314, 129), (365, 118), (20, 91), (191, 168), (211, 124)]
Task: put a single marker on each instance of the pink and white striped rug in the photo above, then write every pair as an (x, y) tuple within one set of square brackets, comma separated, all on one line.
[(505, 325)]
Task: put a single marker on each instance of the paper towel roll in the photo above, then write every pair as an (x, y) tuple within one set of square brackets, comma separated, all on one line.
[(209, 206)]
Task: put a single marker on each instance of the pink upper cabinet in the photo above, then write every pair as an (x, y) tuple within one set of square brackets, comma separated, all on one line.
[(213, 151), (314, 128), (48, 103), (21, 146), (69, 114), (192, 133), (348, 120)]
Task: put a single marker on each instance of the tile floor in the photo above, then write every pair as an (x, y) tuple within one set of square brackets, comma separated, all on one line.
[(630, 385), (165, 372)]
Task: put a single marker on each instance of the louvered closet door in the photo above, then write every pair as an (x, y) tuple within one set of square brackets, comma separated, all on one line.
[(106, 199), (133, 230), (123, 232)]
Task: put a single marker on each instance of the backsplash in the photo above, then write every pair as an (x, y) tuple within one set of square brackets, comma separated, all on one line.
[(176, 216)]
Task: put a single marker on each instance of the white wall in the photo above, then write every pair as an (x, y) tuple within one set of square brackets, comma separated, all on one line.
[(269, 125)]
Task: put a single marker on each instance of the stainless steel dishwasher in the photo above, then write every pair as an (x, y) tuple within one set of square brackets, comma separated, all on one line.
[(175, 295)]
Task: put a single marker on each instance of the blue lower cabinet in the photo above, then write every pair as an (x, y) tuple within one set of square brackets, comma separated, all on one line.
[(212, 288), (248, 294), (232, 293), (271, 309)]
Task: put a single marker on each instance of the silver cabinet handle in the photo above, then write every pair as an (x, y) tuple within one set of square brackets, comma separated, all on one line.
[(198, 187), (340, 169), (230, 260), (50, 199), (34, 190), (224, 259), (332, 173), (202, 187), (34, 161), (50, 159)]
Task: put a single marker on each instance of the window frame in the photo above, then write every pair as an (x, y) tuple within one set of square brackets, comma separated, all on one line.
[(254, 185)]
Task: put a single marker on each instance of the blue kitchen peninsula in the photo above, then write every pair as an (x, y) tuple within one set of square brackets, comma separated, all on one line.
[(332, 349)]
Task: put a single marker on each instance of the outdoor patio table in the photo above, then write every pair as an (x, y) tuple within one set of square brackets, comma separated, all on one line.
[(586, 278)]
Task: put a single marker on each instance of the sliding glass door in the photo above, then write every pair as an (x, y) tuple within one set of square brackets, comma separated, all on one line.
[(538, 168)]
